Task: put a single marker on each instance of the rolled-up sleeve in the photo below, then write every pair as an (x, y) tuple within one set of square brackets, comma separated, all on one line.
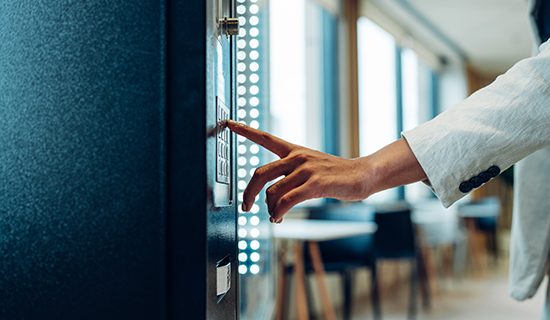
[(472, 142)]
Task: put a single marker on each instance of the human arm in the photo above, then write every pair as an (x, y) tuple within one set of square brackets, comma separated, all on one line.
[(456, 152), (310, 174), (485, 134)]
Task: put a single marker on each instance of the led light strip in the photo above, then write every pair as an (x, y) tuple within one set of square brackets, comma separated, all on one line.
[(250, 107)]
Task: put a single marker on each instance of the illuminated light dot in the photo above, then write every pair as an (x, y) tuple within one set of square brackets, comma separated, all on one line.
[(241, 113), (241, 67), (254, 78), (254, 220), (252, 171), (254, 90), (257, 198), (241, 78), (241, 139), (254, 233), (242, 32), (254, 20), (242, 185), (241, 9), (254, 148), (242, 245), (241, 221), (241, 161), (254, 269), (241, 55), (254, 9), (254, 161), (254, 257), (255, 124), (241, 102), (242, 21), (240, 197), (242, 173), (254, 113), (254, 101), (242, 269), (242, 232), (242, 149), (255, 245), (241, 90), (254, 66), (241, 44), (254, 43), (254, 55), (255, 208), (254, 32), (243, 257), (253, 1), (241, 1)]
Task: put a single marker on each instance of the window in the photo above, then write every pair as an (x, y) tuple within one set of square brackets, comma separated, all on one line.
[(397, 92), (377, 92), (303, 79), (417, 106), (304, 82)]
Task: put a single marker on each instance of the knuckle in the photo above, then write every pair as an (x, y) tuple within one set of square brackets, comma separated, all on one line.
[(307, 170), (266, 137), (270, 192), (301, 157), (285, 200), (260, 172)]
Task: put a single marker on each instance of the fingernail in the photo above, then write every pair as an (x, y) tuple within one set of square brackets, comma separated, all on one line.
[(243, 207), (271, 219)]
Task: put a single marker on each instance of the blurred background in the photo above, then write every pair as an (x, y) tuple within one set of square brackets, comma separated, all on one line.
[(347, 77)]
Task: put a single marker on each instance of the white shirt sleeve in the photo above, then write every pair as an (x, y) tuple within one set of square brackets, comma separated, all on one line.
[(497, 126)]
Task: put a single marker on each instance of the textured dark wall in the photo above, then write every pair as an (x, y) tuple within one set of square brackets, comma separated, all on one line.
[(81, 165)]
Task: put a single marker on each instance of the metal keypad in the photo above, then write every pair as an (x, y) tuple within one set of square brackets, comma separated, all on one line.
[(223, 167)]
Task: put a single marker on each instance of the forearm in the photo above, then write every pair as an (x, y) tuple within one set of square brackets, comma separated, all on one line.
[(392, 166)]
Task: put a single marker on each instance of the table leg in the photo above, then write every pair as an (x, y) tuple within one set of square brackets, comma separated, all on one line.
[(281, 284), (301, 298), (315, 253), (474, 246)]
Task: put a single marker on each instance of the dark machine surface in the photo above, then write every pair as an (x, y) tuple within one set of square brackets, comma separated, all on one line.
[(81, 212), (103, 202)]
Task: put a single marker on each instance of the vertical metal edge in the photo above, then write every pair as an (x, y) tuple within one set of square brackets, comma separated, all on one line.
[(186, 94)]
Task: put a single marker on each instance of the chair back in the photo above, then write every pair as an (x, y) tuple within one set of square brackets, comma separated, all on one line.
[(352, 250), (395, 235)]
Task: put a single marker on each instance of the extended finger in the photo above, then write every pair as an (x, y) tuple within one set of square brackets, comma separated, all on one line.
[(261, 177), (290, 199), (280, 188), (272, 143)]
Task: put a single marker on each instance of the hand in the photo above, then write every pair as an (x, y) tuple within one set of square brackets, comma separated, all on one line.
[(308, 174)]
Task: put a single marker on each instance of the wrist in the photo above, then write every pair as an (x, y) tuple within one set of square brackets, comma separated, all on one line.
[(371, 175)]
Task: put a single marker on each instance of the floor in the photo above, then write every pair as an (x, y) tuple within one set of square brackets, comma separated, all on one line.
[(472, 297)]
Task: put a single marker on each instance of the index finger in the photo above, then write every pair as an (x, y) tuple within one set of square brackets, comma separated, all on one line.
[(272, 143)]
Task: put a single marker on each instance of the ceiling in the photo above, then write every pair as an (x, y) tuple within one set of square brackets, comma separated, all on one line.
[(493, 34)]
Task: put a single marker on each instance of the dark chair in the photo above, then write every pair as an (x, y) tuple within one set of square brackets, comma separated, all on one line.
[(395, 238), (345, 256), (485, 213)]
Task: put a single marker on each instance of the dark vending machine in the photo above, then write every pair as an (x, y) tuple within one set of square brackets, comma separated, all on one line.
[(202, 199), (117, 198)]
